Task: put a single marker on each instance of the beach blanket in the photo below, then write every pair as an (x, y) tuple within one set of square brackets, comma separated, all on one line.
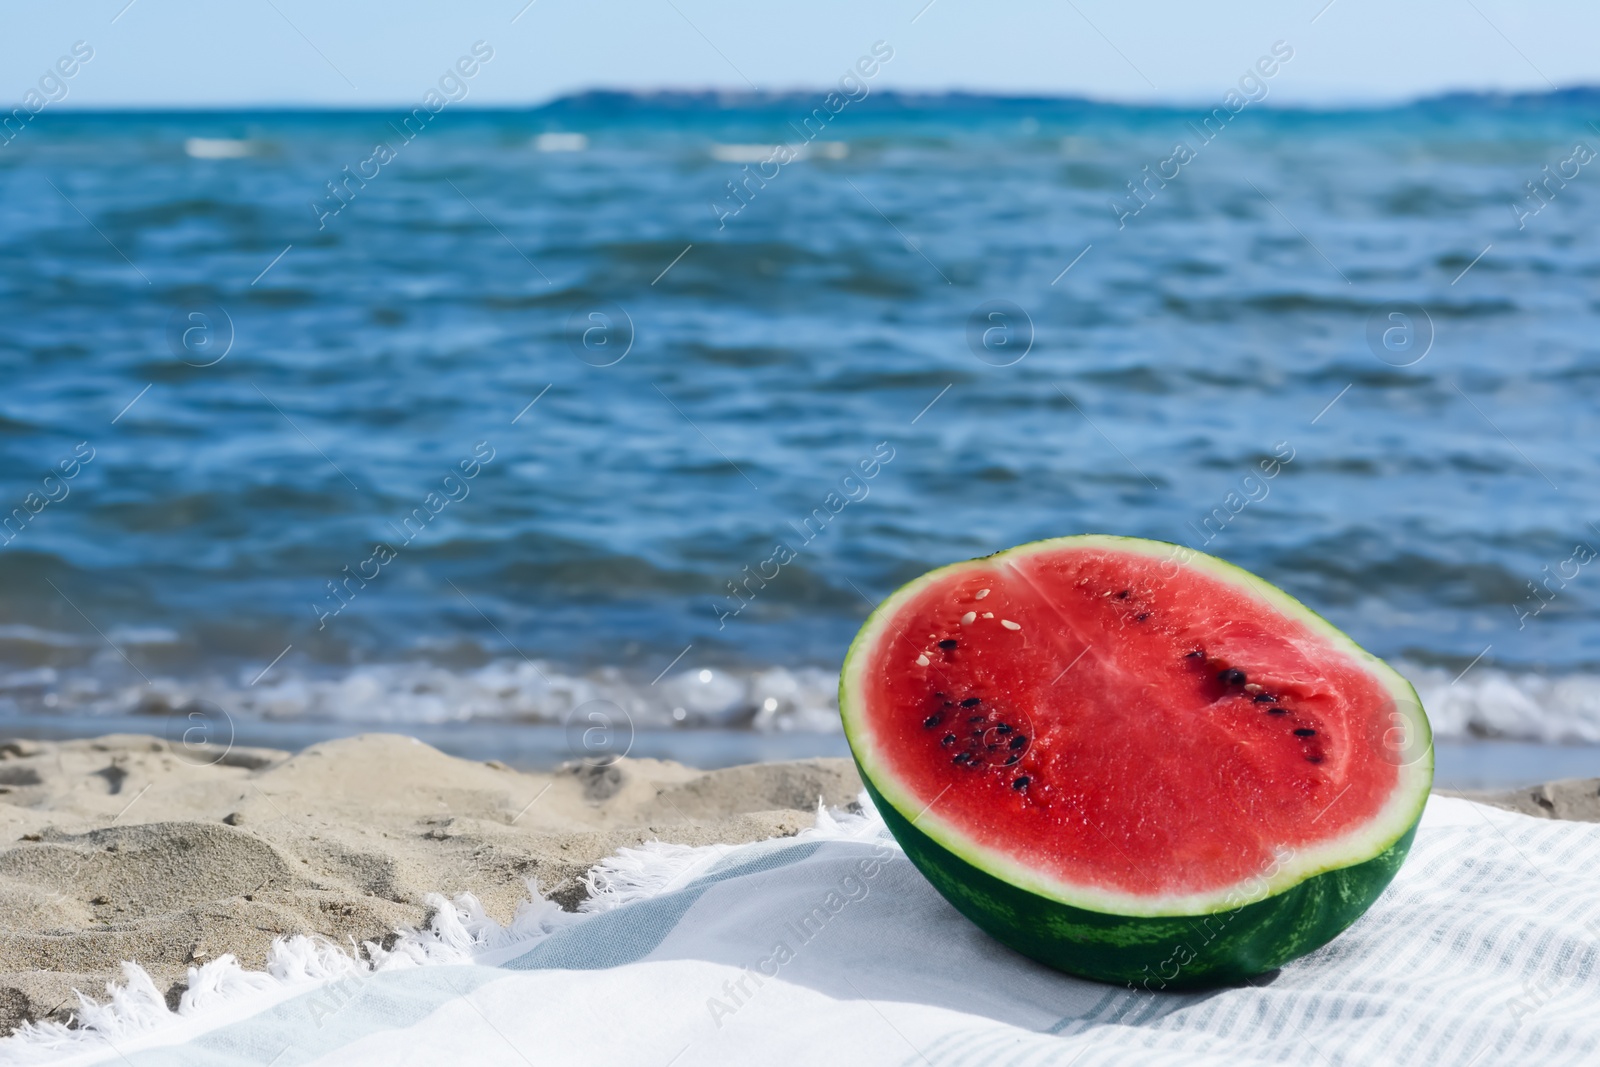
[(829, 948)]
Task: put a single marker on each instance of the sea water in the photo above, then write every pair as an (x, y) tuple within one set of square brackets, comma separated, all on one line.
[(633, 406)]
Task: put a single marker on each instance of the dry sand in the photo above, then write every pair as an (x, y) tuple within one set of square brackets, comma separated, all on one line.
[(118, 849), (124, 848)]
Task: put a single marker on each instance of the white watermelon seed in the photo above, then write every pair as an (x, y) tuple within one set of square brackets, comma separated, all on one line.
[(988, 614), (922, 660), (967, 619), (1008, 624), (981, 594)]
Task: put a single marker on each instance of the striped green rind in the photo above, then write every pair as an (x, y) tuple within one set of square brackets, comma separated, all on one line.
[(1162, 952), (1225, 936)]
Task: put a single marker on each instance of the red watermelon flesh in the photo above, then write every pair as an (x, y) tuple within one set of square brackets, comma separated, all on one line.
[(1112, 721)]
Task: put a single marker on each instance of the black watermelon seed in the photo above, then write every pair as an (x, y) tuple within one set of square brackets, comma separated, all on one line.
[(1021, 782), (1003, 728), (1304, 731), (1277, 711), (976, 718), (1143, 615), (930, 722), (948, 740), (1313, 759), (948, 642), (971, 702), (1232, 676), (1123, 595), (1196, 654), (960, 757), (1019, 741), (939, 695), (1265, 698), (1013, 758)]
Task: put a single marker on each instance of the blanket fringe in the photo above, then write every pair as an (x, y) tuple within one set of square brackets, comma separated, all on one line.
[(656, 867), (456, 932)]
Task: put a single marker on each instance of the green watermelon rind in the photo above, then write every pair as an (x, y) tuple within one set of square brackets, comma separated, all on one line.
[(1127, 938), (1161, 952)]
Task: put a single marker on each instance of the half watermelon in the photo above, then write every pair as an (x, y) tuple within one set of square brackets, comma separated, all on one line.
[(1133, 761)]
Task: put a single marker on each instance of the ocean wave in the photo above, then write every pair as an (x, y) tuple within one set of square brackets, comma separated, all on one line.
[(1485, 703), (1488, 703), (764, 153), (769, 699), (220, 148), (20, 636)]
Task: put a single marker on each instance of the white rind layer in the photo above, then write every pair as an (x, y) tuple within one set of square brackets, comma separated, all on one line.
[(1292, 867)]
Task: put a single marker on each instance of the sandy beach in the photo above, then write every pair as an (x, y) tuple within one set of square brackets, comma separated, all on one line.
[(125, 848), (118, 849)]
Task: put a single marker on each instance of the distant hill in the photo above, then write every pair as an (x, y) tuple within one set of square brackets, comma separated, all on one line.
[(615, 102)]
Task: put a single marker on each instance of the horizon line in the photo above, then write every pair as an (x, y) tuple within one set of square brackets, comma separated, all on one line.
[(739, 99)]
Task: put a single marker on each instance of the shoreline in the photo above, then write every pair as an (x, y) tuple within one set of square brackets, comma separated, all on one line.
[(126, 847), (1477, 764)]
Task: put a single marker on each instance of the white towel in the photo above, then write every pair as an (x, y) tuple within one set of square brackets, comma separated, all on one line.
[(831, 949)]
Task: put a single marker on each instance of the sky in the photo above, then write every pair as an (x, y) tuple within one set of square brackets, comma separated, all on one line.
[(375, 53)]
